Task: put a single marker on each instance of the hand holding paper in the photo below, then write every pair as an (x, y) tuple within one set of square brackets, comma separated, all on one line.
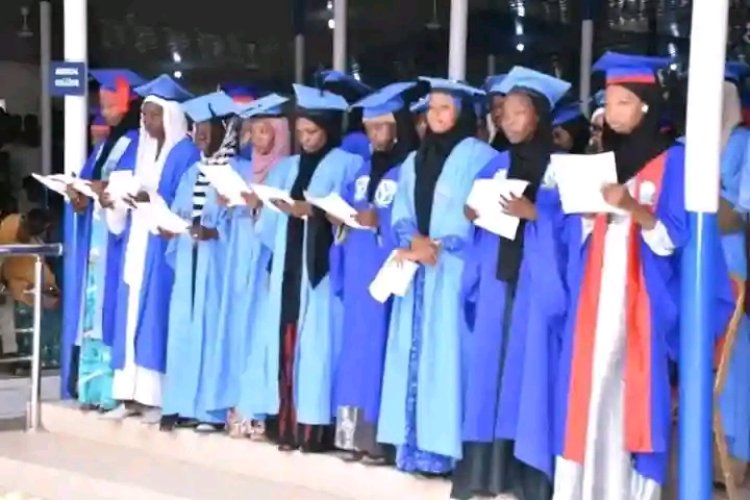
[(485, 199), (227, 182), (269, 194), (122, 185), (394, 278), (335, 205), (59, 183), (580, 180), (163, 219)]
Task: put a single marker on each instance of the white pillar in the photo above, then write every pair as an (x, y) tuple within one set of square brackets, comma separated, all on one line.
[(45, 105), (457, 44), (299, 58), (339, 35), (75, 20), (587, 46), (491, 64)]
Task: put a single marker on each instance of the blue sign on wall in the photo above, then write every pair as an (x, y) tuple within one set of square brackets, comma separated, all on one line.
[(68, 78)]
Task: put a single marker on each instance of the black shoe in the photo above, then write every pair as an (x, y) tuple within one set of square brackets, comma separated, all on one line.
[(168, 423), (354, 456)]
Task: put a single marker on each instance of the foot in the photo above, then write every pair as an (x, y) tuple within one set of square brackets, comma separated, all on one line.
[(151, 416), (187, 423), (168, 423), (287, 447), (121, 412), (354, 456), (204, 428)]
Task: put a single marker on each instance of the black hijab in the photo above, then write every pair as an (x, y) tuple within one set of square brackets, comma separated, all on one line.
[(528, 161), (634, 150), (578, 129), (382, 162), (130, 121), (319, 230), (430, 160)]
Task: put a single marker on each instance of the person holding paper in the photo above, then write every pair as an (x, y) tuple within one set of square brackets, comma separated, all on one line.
[(197, 258), (515, 300), (360, 256), (139, 344), (98, 255), (614, 409), (420, 408), (352, 89), (245, 289), (296, 336)]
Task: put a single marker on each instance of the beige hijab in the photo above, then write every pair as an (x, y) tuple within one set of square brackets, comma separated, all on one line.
[(732, 112)]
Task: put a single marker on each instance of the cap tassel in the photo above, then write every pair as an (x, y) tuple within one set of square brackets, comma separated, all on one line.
[(122, 95)]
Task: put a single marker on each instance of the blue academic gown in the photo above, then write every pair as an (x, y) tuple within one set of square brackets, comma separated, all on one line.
[(421, 409), (199, 269), (365, 323), (358, 144), (735, 400), (123, 158), (320, 313), (515, 404), (662, 276), (156, 289)]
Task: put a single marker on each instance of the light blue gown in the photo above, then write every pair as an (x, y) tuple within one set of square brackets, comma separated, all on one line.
[(318, 340), (196, 296), (421, 408), (735, 400)]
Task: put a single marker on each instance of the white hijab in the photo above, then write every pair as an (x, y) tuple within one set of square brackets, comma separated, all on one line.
[(732, 112), (149, 167)]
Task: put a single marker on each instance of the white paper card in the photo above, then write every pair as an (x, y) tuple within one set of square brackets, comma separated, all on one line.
[(227, 182), (57, 183), (122, 184), (162, 217), (394, 278), (580, 179), (485, 197), (269, 193), (337, 207)]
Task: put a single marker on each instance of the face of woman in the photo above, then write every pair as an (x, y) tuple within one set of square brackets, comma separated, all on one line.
[(442, 113), (262, 136), (623, 109), (562, 138), (153, 119), (310, 137), (246, 132), (496, 110), (519, 118), (381, 135), (203, 136)]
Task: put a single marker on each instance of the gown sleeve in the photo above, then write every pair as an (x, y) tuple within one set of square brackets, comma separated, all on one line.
[(671, 229)]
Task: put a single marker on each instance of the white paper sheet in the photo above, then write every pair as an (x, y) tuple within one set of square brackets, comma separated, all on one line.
[(162, 217), (122, 184), (485, 197), (269, 193), (580, 179), (336, 206), (394, 278), (227, 182), (57, 183)]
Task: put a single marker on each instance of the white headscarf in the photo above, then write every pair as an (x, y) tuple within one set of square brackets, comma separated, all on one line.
[(149, 167), (732, 112)]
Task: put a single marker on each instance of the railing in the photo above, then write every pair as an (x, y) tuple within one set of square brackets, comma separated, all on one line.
[(39, 252)]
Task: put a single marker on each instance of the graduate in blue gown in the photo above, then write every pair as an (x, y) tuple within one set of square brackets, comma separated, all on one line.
[(362, 252), (735, 163), (165, 152), (230, 379), (242, 95), (516, 301), (614, 410), (198, 260), (297, 336), (97, 255), (354, 139), (420, 409)]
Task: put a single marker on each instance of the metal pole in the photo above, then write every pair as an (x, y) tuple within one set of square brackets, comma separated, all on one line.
[(76, 124), (457, 44), (587, 47), (298, 21), (491, 64), (704, 110), (339, 35), (36, 348), (45, 106)]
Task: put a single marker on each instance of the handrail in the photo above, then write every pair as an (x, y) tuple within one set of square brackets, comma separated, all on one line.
[(38, 251)]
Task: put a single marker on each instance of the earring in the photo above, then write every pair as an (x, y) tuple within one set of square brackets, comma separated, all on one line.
[(645, 109)]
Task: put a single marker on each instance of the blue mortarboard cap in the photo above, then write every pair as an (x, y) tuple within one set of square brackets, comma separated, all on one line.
[(624, 68), (420, 106), (108, 78), (240, 93), (343, 84), (451, 86), (318, 100), (493, 81), (384, 101), (206, 107), (270, 105), (164, 87), (736, 71), (564, 114), (524, 78)]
